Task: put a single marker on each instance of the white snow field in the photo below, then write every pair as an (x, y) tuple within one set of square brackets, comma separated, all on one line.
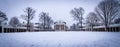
[(60, 39)]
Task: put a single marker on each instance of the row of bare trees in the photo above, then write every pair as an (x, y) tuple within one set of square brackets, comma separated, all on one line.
[(45, 21), (44, 18), (106, 13)]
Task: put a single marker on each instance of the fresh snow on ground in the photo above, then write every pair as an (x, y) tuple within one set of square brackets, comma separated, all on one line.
[(60, 39)]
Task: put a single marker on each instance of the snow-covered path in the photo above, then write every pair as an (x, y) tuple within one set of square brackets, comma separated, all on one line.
[(60, 39)]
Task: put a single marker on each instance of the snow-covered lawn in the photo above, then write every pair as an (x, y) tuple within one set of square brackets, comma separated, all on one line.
[(60, 39)]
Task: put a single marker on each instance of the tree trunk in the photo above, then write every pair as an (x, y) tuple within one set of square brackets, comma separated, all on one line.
[(81, 22), (28, 25), (106, 27)]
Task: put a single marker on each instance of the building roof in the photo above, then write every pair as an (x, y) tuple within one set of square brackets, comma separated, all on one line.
[(60, 22), (113, 25)]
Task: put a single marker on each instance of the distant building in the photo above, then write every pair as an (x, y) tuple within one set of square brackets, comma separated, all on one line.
[(31, 25), (60, 26)]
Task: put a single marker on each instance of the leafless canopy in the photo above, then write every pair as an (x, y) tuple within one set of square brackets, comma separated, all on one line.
[(92, 19), (14, 22), (29, 15), (107, 11), (77, 14), (45, 20), (3, 17)]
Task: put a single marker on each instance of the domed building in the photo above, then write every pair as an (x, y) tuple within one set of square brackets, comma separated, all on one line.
[(60, 26)]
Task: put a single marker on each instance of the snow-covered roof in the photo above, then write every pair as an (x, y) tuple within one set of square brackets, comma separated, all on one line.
[(60, 22), (113, 25), (6, 26)]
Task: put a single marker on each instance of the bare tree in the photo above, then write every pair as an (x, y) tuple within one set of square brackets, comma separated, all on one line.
[(14, 22), (107, 11), (78, 14), (92, 20), (28, 16), (3, 17), (45, 20), (117, 21), (74, 27)]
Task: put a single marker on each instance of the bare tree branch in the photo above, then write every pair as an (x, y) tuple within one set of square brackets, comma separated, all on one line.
[(28, 16), (77, 14), (108, 10)]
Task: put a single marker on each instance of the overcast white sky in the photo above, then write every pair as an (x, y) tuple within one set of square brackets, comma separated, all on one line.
[(58, 9)]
